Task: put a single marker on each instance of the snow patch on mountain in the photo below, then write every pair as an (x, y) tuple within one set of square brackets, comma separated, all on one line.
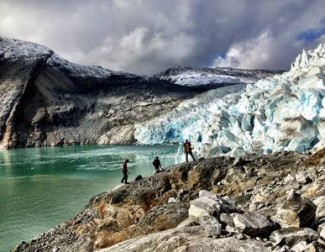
[(193, 78), (281, 113), (17, 50), (187, 76), (12, 49)]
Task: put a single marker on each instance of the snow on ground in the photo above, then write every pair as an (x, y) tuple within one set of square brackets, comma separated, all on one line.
[(281, 113)]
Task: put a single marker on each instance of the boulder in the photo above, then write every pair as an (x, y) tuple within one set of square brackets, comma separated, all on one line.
[(223, 204), (209, 221), (299, 247), (203, 206), (289, 179), (296, 211), (318, 200), (313, 190), (292, 235), (321, 238), (227, 219), (314, 247), (208, 204), (320, 211), (254, 224), (302, 178), (172, 200)]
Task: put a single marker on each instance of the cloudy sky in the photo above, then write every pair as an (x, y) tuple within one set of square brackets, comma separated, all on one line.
[(149, 36)]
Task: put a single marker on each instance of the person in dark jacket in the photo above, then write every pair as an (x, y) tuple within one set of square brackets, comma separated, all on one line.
[(125, 172), (156, 163), (188, 150)]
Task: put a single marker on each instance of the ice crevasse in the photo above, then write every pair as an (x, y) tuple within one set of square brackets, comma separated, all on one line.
[(285, 112)]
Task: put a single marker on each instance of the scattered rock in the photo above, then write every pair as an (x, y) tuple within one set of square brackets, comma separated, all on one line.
[(299, 247), (254, 224), (320, 211), (172, 200), (292, 235), (321, 238), (208, 221), (227, 219), (203, 206), (296, 211)]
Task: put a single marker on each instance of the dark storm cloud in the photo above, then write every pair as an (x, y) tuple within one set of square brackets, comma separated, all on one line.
[(146, 37)]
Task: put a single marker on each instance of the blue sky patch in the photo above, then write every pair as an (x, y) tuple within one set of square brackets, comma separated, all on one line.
[(311, 35)]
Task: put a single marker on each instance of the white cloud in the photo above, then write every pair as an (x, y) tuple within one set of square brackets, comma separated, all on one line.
[(146, 37), (141, 46), (252, 53)]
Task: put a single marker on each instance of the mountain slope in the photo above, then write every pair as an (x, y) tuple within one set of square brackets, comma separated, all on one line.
[(48, 101)]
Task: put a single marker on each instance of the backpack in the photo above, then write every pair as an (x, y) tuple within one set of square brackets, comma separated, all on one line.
[(139, 177)]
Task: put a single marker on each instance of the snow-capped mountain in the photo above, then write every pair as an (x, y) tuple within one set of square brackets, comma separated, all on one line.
[(285, 112), (46, 100)]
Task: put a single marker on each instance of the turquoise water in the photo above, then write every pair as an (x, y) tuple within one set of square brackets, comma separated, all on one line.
[(42, 187)]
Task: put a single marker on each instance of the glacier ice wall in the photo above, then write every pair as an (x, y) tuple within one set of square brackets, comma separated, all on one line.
[(281, 113)]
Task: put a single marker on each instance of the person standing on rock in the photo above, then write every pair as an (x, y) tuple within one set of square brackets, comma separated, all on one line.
[(188, 150), (156, 163), (125, 172)]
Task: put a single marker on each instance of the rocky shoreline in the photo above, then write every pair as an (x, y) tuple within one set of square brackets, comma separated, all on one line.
[(254, 203)]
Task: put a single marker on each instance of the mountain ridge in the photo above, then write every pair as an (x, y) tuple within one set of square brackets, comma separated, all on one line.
[(48, 101)]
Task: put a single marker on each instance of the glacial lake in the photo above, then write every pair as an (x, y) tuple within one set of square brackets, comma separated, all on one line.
[(43, 187)]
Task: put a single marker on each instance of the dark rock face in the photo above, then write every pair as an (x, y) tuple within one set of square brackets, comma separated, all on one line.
[(48, 101), (180, 210)]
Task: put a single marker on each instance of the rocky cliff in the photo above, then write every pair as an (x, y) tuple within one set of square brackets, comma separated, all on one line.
[(253, 203), (48, 101)]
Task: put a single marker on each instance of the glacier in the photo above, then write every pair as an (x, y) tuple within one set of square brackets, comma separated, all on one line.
[(285, 112)]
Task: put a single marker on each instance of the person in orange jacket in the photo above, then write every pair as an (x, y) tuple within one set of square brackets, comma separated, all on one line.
[(188, 150)]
